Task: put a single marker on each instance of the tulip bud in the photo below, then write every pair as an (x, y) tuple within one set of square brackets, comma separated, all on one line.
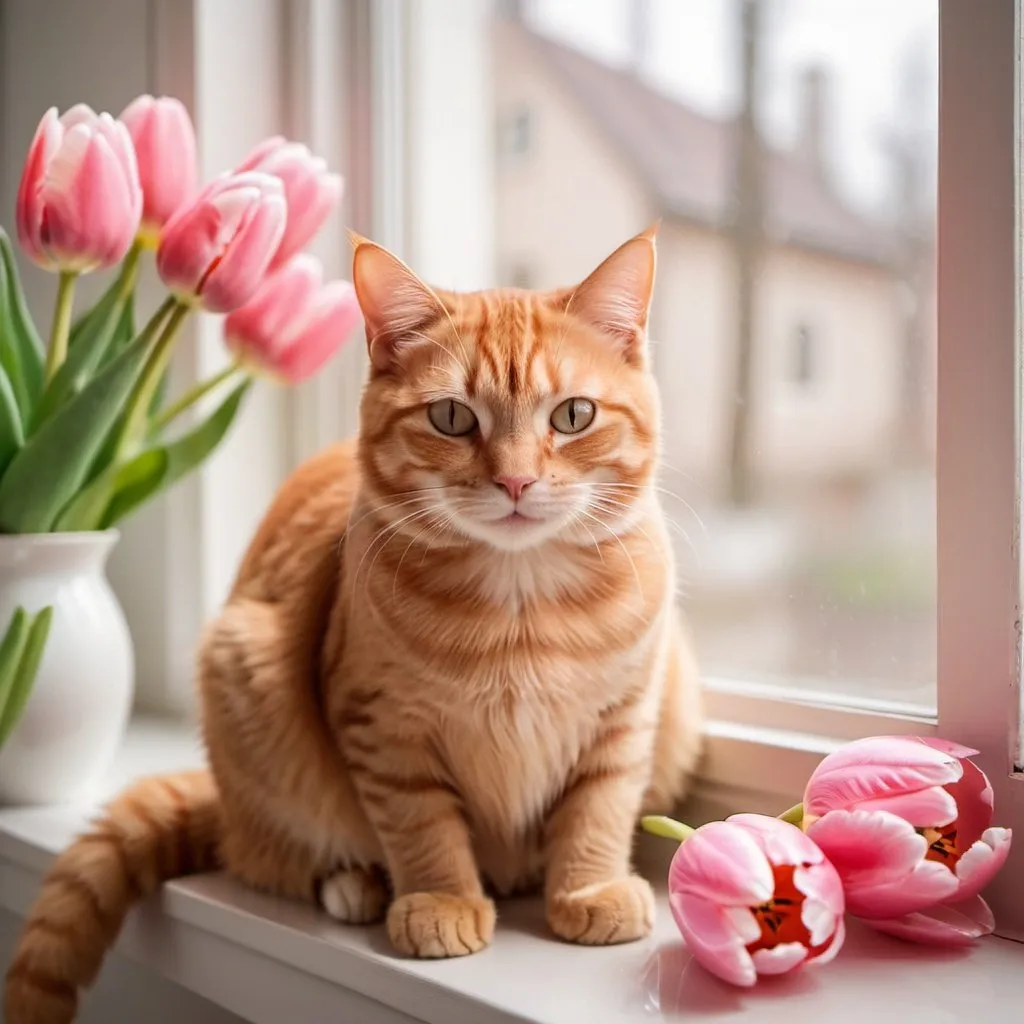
[(907, 822), (752, 896), (311, 190), (295, 322), (165, 147), (215, 251), (79, 200)]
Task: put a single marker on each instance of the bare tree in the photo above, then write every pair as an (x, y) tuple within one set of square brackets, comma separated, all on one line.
[(911, 146), (748, 244)]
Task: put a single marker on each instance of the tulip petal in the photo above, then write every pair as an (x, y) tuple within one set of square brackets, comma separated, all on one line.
[(876, 767), (821, 883), (779, 959), (979, 865), (724, 863), (29, 208), (334, 314), (89, 222), (818, 920), (781, 842), (957, 750), (260, 152), (831, 951), (238, 274), (974, 802), (712, 938), (165, 143), (80, 113), (929, 883), (949, 925), (869, 847), (923, 808)]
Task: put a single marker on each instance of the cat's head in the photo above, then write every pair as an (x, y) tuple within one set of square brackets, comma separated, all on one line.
[(510, 417)]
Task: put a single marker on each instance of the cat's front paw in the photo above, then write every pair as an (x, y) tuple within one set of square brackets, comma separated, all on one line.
[(438, 924), (605, 913)]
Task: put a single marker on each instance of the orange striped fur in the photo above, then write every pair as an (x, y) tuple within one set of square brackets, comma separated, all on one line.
[(410, 701)]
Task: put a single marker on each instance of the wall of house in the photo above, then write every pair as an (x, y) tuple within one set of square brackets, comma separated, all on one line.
[(838, 422), (569, 200)]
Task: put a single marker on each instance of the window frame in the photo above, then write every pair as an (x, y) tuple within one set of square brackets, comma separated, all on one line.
[(763, 742)]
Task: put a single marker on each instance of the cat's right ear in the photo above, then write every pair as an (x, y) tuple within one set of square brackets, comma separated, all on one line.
[(397, 306)]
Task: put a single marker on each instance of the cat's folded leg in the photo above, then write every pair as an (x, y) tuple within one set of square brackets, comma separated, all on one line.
[(439, 909), (591, 894)]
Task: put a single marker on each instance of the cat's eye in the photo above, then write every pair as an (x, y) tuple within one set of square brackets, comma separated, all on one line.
[(573, 415), (451, 418)]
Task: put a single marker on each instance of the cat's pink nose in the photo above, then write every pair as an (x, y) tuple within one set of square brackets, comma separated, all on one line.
[(515, 485)]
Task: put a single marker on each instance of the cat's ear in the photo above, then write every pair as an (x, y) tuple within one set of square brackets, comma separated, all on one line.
[(616, 298), (397, 306)]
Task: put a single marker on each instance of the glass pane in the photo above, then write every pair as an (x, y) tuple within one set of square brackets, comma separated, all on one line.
[(788, 148)]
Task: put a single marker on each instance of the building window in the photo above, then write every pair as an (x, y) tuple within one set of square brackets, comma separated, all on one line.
[(803, 361), (517, 134)]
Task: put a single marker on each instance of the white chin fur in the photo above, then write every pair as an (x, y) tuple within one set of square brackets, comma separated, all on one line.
[(503, 537)]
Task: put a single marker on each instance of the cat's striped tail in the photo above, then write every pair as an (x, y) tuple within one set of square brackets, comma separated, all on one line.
[(158, 829)]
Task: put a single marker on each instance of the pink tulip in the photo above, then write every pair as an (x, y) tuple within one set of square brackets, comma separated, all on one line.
[(295, 322), (753, 895), (906, 822), (79, 200), (215, 251), (312, 192), (165, 145)]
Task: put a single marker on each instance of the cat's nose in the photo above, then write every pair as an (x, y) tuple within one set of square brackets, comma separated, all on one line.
[(515, 485)]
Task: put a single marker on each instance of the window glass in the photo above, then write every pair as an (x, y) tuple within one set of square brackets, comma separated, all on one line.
[(788, 148)]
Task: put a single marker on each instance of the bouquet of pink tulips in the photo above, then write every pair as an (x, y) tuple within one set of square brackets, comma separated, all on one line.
[(896, 830), (87, 433)]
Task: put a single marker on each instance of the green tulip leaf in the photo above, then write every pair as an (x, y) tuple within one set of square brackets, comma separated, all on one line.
[(18, 692), (107, 329), (60, 457), (12, 647), (88, 509), (12, 435), (181, 455), (86, 324), (21, 353)]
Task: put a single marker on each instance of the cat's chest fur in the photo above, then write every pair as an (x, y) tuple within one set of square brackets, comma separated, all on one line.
[(522, 722)]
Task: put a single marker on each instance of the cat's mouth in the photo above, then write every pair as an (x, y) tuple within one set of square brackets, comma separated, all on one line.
[(516, 518)]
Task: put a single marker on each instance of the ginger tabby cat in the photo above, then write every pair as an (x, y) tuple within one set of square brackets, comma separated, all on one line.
[(451, 662)]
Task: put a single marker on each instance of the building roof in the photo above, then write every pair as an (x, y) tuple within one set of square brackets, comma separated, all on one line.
[(685, 159)]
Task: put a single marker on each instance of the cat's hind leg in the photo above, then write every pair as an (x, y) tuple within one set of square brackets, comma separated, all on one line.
[(292, 821)]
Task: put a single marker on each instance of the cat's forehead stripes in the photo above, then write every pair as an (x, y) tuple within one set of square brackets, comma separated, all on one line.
[(511, 345)]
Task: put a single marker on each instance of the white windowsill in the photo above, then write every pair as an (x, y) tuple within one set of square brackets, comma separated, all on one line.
[(270, 960)]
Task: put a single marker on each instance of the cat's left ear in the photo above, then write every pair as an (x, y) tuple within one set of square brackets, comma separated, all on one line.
[(616, 298)]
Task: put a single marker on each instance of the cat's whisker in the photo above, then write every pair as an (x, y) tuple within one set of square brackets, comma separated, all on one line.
[(658, 490), (625, 551), (431, 524), (578, 520), (376, 509), (380, 540)]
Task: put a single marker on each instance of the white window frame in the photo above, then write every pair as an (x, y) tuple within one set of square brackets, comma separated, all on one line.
[(765, 741)]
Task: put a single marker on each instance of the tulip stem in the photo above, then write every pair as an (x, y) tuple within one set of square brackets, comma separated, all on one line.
[(156, 365), (58, 349), (193, 395), (667, 828), (795, 815)]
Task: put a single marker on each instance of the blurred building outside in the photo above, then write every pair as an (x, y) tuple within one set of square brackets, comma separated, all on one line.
[(794, 339)]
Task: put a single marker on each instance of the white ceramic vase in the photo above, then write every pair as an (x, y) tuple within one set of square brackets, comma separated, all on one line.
[(74, 721)]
